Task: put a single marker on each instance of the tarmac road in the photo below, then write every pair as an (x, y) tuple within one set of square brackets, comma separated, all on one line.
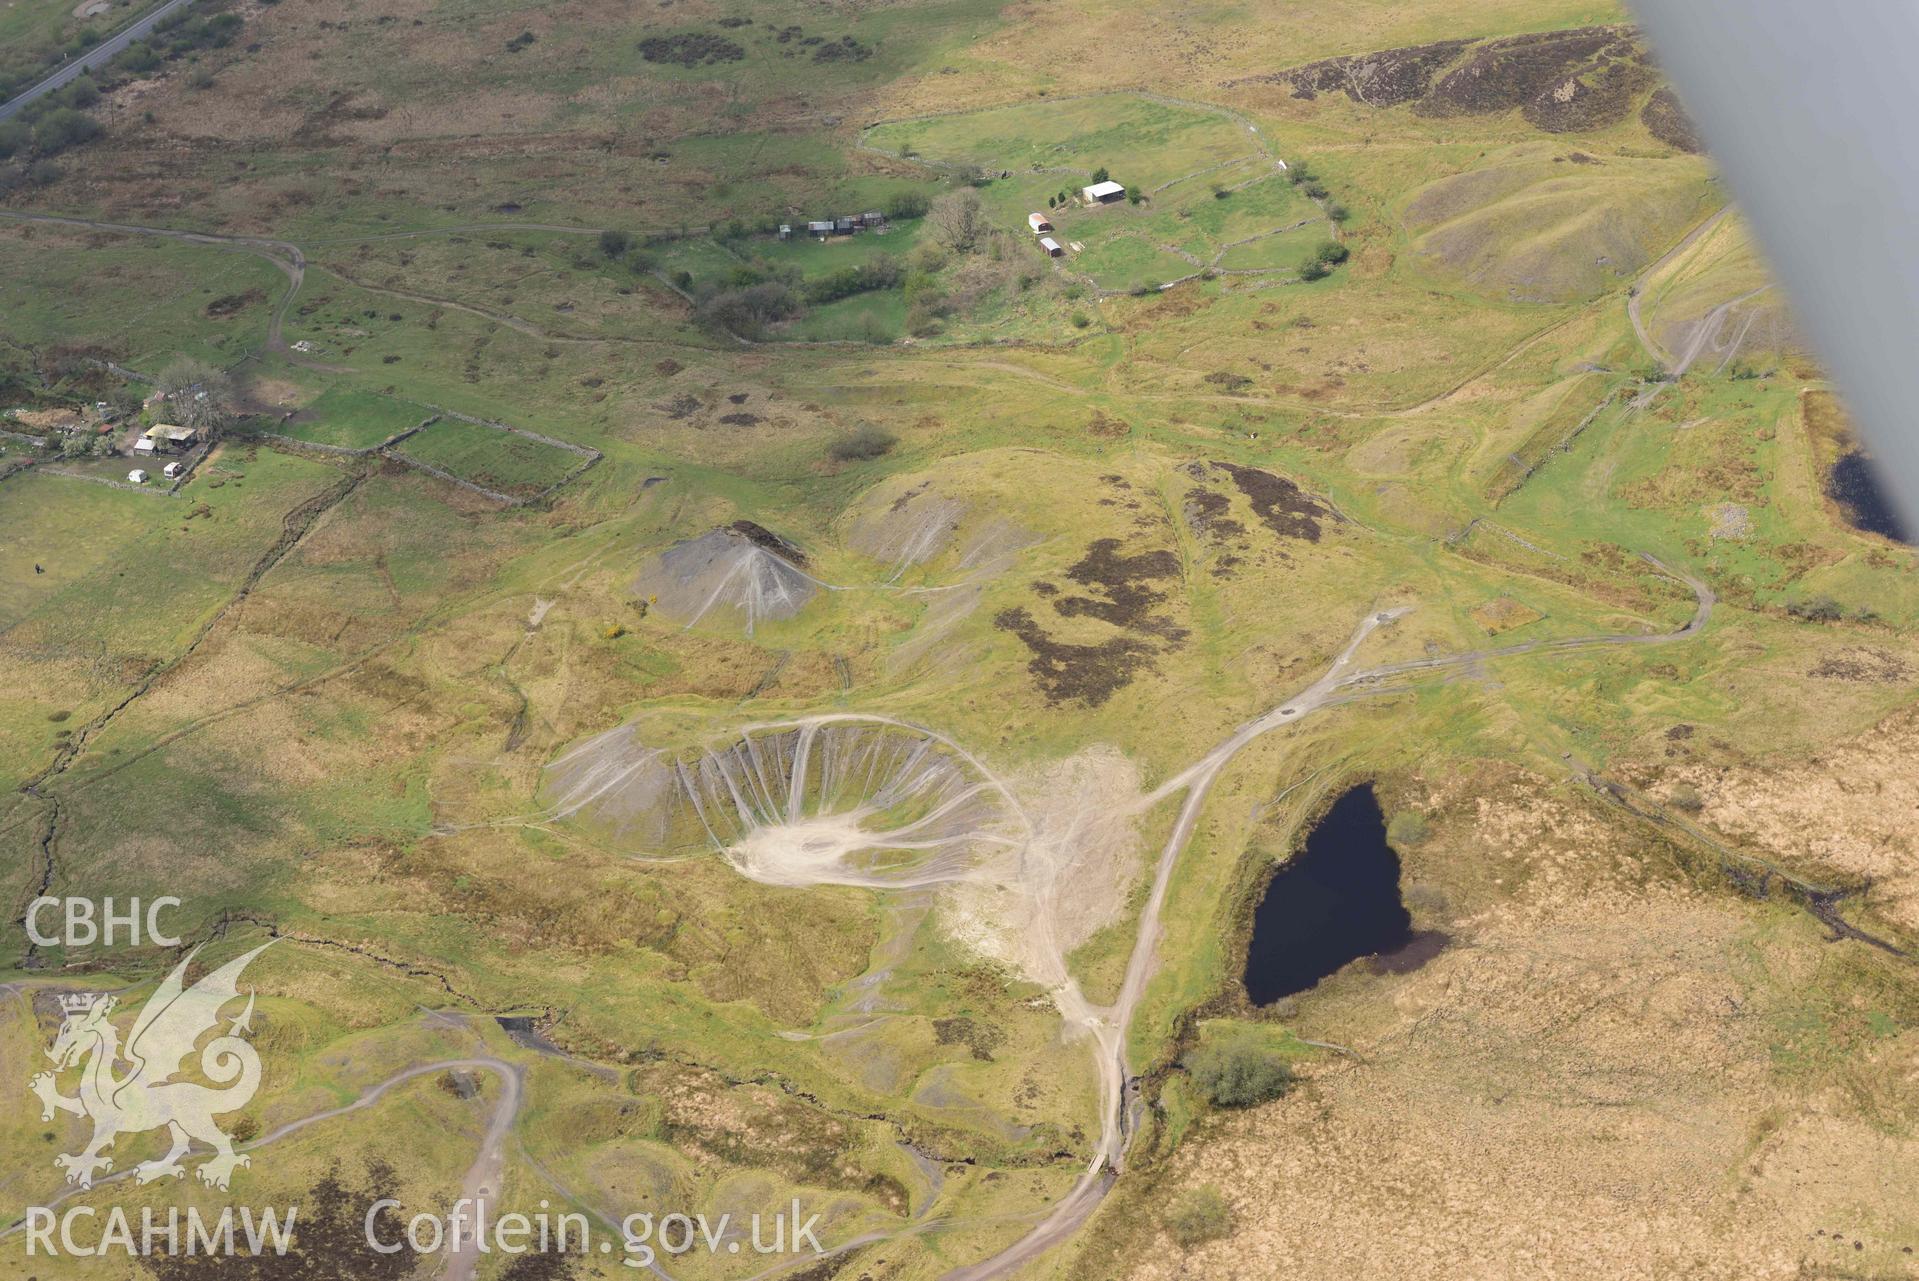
[(92, 58)]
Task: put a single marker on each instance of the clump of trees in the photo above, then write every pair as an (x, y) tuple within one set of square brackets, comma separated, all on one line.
[(1817, 609), (749, 310), (1323, 260), (198, 394), (1239, 1070), (907, 204), (64, 127), (884, 272)]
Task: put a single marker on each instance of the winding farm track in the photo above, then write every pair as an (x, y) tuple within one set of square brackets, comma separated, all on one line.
[(482, 1176)]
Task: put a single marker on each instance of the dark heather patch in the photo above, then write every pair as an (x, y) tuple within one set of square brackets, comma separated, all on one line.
[(1122, 596), (1088, 674), (549, 1265), (1122, 580), (233, 304), (328, 1241), (1589, 98), (691, 49), (846, 49), (1284, 506), (1502, 74), (1206, 515), (980, 1038), (1561, 80), (739, 397), (1666, 120), (1383, 79), (761, 536), (681, 407), (740, 420), (1863, 663)]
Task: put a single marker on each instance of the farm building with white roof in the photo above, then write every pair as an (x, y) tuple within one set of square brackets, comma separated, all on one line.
[(1102, 193)]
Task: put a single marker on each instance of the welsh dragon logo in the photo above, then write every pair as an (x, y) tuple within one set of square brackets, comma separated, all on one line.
[(145, 1096)]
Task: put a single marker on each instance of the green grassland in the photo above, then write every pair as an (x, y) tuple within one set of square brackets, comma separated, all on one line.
[(494, 459), (320, 694), (146, 299), (1143, 142), (353, 419)]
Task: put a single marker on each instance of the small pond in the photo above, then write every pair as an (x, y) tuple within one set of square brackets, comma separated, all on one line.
[(1855, 487), (1333, 902)]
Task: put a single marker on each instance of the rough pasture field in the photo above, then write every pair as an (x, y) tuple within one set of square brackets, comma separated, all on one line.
[(844, 787)]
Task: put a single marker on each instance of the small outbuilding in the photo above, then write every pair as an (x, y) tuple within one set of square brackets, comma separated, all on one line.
[(137, 476), (820, 227), (786, 231), (1102, 193), (172, 469), (164, 438), (872, 218), (1051, 246), (1037, 221)]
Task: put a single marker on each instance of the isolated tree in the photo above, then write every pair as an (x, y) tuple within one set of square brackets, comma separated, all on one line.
[(198, 395), (614, 242), (955, 221), (1100, 175)]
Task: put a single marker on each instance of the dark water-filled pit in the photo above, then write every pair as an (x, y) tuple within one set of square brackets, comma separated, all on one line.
[(1335, 901), (1854, 485)]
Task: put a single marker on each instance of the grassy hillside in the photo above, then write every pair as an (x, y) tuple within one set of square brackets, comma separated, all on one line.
[(1419, 320)]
